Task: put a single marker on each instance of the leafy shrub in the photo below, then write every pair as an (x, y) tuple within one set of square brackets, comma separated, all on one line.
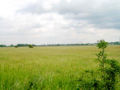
[(16, 46), (30, 46), (105, 78)]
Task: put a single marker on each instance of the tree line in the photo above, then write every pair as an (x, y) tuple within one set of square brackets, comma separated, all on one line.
[(81, 44)]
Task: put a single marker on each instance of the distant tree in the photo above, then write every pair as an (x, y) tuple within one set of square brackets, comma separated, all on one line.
[(22, 45), (16, 46), (30, 46), (11, 45), (3, 46)]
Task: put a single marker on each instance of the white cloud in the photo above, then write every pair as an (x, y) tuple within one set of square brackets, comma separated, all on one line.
[(9, 7), (58, 21)]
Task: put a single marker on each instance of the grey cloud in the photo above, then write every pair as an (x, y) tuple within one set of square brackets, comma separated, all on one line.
[(102, 14)]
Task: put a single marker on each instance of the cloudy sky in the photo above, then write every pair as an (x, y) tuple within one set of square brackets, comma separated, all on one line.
[(59, 21)]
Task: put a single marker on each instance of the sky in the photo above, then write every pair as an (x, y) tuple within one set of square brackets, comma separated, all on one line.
[(59, 21)]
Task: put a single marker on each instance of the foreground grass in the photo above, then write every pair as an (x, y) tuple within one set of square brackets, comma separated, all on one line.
[(47, 68)]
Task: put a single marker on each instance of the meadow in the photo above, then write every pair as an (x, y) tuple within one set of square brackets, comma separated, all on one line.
[(48, 68)]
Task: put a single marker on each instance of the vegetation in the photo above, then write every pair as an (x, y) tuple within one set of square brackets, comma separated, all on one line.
[(108, 73), (30, 46), (16, 46), (77, 44), (3, 46), (115, 43), (58, 68)]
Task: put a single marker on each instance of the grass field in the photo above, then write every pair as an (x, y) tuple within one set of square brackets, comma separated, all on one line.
[(48, 68)]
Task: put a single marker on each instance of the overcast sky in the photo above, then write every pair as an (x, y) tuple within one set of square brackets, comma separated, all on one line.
[(59, 21)]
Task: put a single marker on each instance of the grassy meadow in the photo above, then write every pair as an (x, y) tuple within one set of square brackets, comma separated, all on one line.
[(48, 68)]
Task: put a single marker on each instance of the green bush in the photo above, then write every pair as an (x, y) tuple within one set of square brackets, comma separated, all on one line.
[(30, 46), (16, 46), (105, 78)]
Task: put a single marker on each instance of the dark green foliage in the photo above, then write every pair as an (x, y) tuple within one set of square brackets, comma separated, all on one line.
[(22, 45), (102, 44), (109, 68), (111, 71), (31, 86), (90, 81), (30, 46), (16, 46), (11, 45), (3, 46), (114, 43), (108, 73)]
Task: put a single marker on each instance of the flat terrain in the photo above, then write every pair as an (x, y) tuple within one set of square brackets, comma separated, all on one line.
[(47, 68)]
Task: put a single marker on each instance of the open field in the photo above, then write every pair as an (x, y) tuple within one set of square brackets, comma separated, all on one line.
[(48, 68)]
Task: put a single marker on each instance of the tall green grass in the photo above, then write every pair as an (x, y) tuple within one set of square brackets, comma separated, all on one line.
[(48, 68)]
